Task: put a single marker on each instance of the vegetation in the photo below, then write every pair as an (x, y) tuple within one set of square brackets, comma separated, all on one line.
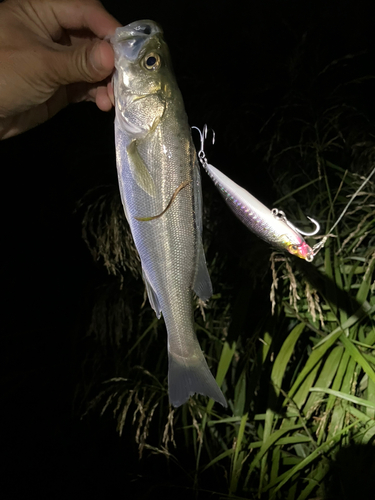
[(300, 382)]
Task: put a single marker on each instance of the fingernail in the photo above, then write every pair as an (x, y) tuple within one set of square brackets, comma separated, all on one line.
[(100, 57)]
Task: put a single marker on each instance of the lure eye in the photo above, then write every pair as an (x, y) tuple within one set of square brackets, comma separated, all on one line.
[(294, 249), (152, 61)]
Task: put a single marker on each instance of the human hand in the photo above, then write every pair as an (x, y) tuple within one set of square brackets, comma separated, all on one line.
[(52, 53)]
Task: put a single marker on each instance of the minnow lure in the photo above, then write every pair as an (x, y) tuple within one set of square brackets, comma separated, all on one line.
[(271, 226)]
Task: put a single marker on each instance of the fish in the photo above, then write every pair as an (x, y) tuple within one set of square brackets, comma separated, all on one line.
[(160, 187)]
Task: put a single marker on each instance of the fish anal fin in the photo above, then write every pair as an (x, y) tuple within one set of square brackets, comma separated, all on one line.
[(152, 296), (202, 283)]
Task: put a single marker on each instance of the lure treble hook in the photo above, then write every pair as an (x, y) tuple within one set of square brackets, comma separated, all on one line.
[(316, 230), (281, 215), (203, 137)]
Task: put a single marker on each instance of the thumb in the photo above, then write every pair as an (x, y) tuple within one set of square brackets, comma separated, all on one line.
[(87, 62)]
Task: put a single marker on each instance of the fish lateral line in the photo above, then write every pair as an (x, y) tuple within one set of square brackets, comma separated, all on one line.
[(153, 217)]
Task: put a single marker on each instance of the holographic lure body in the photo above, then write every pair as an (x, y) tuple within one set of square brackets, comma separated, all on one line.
[(269, 225)]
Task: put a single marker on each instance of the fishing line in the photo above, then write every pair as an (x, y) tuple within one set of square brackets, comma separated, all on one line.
[(153, 217), (316, 248)]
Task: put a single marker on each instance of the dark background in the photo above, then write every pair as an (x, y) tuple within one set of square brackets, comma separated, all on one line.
[(233, 64)]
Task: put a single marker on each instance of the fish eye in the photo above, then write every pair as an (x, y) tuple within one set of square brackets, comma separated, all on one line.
[(295, 247), (152, 61)]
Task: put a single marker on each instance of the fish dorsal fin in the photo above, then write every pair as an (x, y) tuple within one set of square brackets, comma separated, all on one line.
[(151, 294), (202, 281), (139, 171)]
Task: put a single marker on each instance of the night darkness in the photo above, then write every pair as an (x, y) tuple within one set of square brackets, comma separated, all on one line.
[(233, 64)]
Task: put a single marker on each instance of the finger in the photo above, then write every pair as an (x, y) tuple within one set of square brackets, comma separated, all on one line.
[(102, 99), (87, 62), (97, 92), (102, 59), (90, 14)]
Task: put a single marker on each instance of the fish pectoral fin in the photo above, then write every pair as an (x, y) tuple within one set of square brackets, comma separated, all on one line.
[(202, 282), (139, 171), (152, 296)]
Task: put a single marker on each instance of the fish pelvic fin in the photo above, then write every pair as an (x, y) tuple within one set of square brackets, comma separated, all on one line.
[(189, 376)]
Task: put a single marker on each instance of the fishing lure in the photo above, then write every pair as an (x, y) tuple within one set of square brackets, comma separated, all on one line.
[(271, 226)]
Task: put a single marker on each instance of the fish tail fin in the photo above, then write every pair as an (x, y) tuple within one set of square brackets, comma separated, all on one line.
[(191, 375)]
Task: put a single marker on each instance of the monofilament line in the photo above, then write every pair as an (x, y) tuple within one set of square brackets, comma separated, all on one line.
[(352, 198), (321, 244)]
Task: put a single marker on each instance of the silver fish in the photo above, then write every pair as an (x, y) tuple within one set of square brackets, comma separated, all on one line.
[(160, 187)]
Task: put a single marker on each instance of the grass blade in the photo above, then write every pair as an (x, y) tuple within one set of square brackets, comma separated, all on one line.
[(347, 397), (315, 454), (354, 352), (238, 457)]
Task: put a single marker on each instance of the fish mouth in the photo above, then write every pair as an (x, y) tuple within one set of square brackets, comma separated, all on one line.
[(145, 27), (133, 36), (137, 30)]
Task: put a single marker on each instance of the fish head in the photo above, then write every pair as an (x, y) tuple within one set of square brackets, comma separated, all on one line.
[(296, 245), (143, 79)]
